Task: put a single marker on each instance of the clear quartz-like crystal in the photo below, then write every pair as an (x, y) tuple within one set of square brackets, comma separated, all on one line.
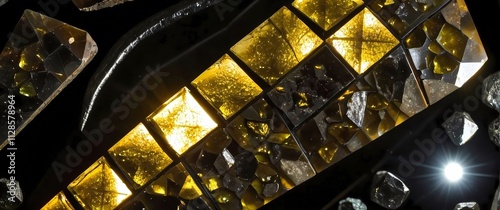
[(352, 204), (491, 91), (460, 127), (11, 195), (494, 131), (388, 191), (467, 206), (42, 56)]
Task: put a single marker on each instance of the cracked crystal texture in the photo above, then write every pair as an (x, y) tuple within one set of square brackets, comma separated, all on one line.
[(363, 41), (139, 156), (310, 86), (403, 15), (99, 187), (446, 49), (226, 86), (42, 56), (326, 13), (175, 189), (58, 202), (277, 45), (182, 121), (254, 162)]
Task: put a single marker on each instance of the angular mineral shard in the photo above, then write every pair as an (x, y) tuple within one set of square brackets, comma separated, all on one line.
[(92, 5), (460, 127), (42, 56), (491, 91), (11, 195), (494, 131), (388, 191), (467, 206), (352, 204)]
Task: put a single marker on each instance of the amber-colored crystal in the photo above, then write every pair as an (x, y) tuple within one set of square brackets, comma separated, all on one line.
[(42, 56), (226, 86), (326, 13), (363, 41), (99, 187), (58, 202), (277, 45), (182, 121), (139, 156)]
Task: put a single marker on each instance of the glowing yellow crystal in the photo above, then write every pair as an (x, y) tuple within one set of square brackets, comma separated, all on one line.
[(182, 121)]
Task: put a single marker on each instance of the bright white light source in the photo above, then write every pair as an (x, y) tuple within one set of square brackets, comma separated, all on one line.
[(453, 172)]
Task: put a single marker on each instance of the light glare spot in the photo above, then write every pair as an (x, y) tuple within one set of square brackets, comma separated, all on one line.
[(453, 172)]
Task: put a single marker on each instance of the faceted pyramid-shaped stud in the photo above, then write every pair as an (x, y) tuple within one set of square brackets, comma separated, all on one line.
[(58, 202), (363, 41), (42, 56), (446, 50), (326, 13), (99, 187), (91, 5)]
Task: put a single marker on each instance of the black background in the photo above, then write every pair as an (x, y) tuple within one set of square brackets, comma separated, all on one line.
[(48, 133)]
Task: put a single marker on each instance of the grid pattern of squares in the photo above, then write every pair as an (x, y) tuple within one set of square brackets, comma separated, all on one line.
[(325, 98)]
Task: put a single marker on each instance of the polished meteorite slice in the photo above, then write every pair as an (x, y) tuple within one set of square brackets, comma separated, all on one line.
[(42, 56)]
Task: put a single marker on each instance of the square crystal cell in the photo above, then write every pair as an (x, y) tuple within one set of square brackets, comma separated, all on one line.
[(139, 156), (182, 121), (363, 41), (404, 15), (253, 162), (277, 45), (226, 86), (99, 187), (310, 86), (446, 49), (42, 56), (364, 112), (58, 202), (326, 13), (175, 189)]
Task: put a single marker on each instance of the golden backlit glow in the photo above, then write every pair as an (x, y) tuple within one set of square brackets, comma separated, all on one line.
[(182, 121), (139, 156), (226, 86), (99, 187), (277, 45), (176, 182), (363, 41), (58, 202), (326, 13)]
